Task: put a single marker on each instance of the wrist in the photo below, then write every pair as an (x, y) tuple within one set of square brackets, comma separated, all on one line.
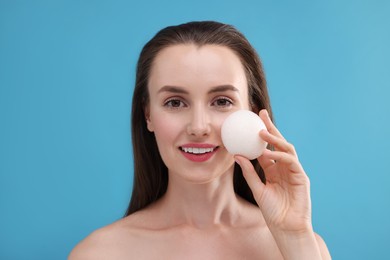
[(300, 244)]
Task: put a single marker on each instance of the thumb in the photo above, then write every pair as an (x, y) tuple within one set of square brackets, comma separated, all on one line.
[(251, 177)]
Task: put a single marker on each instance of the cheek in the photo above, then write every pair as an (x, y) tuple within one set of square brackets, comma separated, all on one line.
[(166, 129), (218, 121)]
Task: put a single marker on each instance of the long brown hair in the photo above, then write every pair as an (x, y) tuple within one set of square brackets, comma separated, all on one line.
[(150, 172)]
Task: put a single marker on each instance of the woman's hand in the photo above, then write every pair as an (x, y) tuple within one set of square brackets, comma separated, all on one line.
[(285, 198)]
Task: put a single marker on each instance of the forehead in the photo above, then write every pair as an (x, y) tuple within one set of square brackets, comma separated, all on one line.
[(189, 65)]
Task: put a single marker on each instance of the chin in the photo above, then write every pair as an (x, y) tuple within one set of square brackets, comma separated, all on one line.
[(202, 176)]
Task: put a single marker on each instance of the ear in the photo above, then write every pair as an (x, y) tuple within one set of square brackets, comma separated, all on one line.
[(149, 123)]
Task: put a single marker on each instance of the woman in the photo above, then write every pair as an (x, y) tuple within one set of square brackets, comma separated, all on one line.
[(191, 198)]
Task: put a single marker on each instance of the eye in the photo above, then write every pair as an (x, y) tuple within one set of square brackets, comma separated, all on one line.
[(222, 102), (174, 103)]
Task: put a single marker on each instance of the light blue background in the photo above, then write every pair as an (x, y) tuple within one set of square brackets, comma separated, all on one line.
[(66, 79)]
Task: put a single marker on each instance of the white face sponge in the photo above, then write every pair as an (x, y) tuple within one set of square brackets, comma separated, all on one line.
[(240, 134)]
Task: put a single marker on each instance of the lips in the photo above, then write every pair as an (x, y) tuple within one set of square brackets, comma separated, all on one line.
[(198, 152)]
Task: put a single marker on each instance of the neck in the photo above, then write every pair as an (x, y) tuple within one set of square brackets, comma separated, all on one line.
[(202, 205)]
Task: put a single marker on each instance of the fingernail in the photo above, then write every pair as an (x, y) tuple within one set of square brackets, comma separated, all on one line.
[(264, 131), (237, 161), (266, 111)]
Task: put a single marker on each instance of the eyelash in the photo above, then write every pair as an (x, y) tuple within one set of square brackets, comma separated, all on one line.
[(182, 104), (168, 103), (230, 102)]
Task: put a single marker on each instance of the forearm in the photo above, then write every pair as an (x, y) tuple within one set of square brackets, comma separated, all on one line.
[(297, 246)]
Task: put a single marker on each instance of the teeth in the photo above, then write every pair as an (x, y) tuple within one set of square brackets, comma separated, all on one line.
[(195, 150)]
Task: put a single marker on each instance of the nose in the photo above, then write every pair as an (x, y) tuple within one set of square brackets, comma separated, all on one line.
[(199, 124)]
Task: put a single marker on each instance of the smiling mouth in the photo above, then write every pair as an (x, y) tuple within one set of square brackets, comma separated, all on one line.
[(198, 151)]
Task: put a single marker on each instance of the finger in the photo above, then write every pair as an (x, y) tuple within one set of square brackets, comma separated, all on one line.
[(251, 177), (265, 162), (269, 124), (279, 143), (284, 158)]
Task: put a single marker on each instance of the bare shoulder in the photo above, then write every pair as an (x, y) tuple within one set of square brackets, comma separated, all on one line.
[(114, 241), (92, 247), (323, 248)]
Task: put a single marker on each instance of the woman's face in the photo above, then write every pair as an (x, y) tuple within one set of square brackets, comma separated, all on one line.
[(192, 90)]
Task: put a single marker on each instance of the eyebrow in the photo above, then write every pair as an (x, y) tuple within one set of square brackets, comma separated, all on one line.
[(180, 90)]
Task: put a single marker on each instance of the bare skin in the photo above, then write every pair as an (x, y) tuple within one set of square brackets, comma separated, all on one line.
[(148, 234), (200, 216)]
